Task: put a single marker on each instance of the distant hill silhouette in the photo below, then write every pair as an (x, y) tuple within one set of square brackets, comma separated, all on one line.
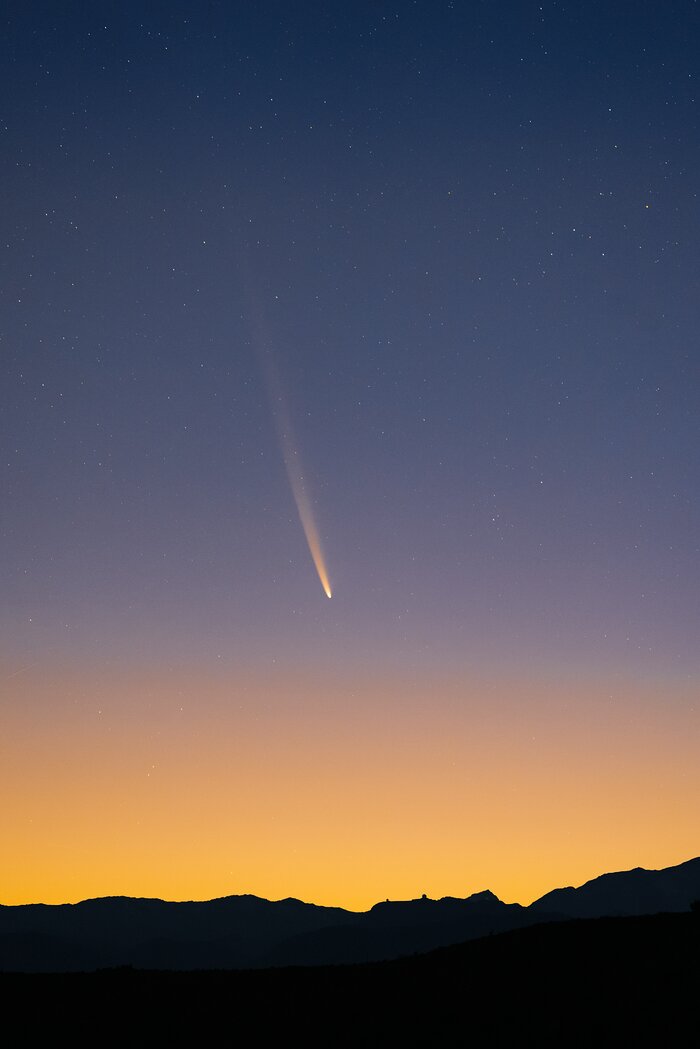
[(240, 932), (626, 893)]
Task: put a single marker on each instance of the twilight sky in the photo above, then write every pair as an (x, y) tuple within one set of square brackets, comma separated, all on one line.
[(438, 259)]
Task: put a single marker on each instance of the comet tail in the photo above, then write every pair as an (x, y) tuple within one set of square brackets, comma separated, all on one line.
[(295, 473), (296, 481)]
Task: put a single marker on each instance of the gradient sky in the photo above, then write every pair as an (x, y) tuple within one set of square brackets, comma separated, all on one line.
[(464, 238)]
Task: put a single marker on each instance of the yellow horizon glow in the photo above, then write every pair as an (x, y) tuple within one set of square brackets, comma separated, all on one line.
[(190, 786)]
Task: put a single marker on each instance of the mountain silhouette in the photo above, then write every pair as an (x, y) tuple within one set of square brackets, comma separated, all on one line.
[(632, 892), (246, 932)]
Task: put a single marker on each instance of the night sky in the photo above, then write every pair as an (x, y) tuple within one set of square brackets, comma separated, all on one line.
[(435, 264)]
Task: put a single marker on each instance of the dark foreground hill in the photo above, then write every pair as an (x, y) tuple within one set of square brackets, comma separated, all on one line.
[(601, 982), (247, 932)]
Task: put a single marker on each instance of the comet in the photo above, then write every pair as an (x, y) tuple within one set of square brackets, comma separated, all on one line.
[(296, 482), (295, 474)]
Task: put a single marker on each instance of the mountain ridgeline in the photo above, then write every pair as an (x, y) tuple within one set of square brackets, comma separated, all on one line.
[(245, 932)]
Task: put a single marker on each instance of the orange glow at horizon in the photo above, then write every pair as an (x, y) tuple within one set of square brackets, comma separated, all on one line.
[(184, 785)]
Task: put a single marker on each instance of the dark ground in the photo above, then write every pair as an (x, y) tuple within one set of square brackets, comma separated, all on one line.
[(601, 982)]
